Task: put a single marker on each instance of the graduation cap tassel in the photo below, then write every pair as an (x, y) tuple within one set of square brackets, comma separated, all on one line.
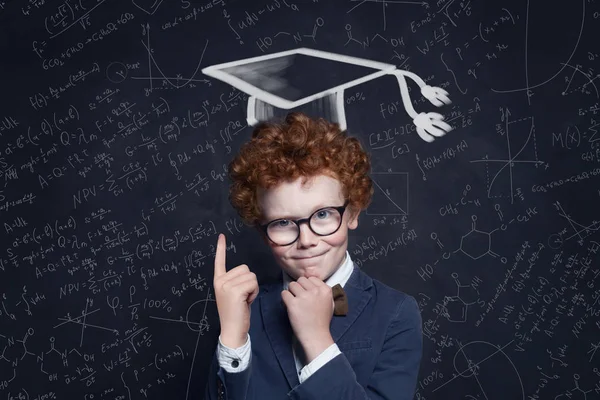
[(436, 95), (429, 125)]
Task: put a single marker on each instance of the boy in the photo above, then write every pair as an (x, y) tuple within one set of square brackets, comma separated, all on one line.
[(302, 184)]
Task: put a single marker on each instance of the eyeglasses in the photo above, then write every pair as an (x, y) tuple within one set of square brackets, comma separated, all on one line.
[(323, 222)]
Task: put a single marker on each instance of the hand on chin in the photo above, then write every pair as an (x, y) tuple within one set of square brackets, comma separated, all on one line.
[(307, 272)]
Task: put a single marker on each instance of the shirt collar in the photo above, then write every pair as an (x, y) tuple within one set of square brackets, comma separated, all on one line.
[(341, 275)]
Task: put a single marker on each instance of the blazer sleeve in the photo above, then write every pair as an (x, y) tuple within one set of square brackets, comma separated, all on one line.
[(394, 376), (225, 385)]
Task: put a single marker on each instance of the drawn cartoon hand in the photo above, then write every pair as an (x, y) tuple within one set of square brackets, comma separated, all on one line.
[(431, 124), (437, 96)]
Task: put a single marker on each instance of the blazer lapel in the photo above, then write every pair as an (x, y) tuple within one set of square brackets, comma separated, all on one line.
[(279, 331), (358, 298)]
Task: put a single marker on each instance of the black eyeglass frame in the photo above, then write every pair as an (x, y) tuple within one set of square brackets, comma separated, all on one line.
[(341, 209)]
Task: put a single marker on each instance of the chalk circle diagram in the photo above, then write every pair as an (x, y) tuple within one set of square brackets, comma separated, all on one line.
[(286, 81), (488, 368), (202, 325), (555, 241), (148, 6), (543, 20), (116, 72)]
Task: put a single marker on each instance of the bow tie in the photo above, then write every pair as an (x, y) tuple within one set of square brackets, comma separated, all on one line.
[(340, 300)]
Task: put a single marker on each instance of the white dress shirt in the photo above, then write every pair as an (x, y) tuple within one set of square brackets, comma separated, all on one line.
[(241, 356)]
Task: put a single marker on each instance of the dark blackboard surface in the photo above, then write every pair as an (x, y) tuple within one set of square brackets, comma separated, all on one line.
[(113, 156)]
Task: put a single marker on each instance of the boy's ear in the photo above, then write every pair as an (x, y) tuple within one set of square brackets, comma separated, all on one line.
[(353, 220)]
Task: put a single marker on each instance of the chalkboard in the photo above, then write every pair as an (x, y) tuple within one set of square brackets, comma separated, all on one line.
[(114, 148)]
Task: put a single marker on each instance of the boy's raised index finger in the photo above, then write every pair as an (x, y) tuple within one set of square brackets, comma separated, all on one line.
[(220, 256)]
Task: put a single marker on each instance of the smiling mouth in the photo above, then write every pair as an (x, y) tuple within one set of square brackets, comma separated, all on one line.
[(308, 258)]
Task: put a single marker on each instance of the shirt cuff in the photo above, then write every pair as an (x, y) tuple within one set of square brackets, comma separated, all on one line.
[(234, 360), (327, 355)]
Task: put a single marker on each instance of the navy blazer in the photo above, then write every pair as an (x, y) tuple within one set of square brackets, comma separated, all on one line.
[(380, 339)]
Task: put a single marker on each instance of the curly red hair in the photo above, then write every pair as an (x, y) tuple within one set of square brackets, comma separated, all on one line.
[(298, 147)]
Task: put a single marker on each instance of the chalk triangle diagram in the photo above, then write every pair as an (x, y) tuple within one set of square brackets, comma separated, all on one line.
[(390, 196)]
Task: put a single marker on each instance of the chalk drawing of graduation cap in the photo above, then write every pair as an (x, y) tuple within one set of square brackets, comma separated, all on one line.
[(292, 78)]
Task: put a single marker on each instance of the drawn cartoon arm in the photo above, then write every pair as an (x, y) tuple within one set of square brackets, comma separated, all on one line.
[(429, 125)]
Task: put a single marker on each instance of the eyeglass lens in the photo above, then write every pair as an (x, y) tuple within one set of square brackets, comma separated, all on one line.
[(323, 222)]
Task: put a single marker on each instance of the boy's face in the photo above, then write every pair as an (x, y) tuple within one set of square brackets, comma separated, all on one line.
[(293, 201)]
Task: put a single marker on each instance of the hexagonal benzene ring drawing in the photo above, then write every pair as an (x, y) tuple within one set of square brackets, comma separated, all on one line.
[(476, 243)]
